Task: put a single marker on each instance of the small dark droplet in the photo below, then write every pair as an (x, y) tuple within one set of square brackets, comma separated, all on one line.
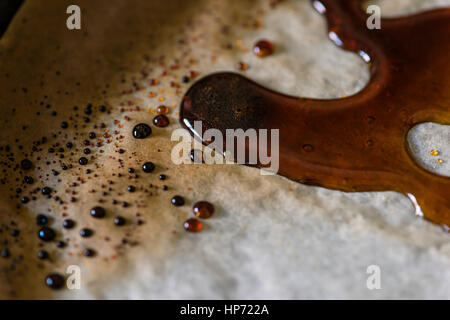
[(98, 212), (64, 125), (60, 244), (185, 79), (86, 233), (69, 145), (68, 223), (162, 177), (119, 221), (92, 135), (141, 131), (28, 180), (46, 190), (5, 253), (165, 188), (25, 200), (131, 188), (42, 254), (89, 252), (26, 164), (41, 220), (148, 167), (54, 281), (46, 234), (83, 161), (87, 151), (102, 108), (15, 232), (177, 201)]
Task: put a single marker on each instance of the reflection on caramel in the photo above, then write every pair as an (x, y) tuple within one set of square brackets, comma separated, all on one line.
[(356, 143)]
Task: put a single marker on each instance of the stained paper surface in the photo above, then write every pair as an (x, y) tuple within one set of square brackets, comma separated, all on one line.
[(270, 238)]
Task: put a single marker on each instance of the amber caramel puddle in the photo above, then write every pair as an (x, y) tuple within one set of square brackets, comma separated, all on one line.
[(358, 143)]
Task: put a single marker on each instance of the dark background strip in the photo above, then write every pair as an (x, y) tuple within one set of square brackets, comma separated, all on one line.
[(8, 9)]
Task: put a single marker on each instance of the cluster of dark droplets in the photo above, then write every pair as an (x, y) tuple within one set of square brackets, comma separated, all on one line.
[(47, 234), (201, 209)]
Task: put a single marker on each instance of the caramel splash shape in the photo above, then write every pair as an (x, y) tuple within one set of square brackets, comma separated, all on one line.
[(357, 143)]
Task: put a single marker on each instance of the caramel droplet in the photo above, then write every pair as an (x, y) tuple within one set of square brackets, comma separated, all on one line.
[(308, 148), (203, 209), (193, 225), (263, 48), (242, 66), (434, 152), (161, 121), (162, 109)]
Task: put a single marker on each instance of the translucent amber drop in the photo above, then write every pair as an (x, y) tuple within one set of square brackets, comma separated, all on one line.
[(263, 48), (193, 225), (203, 209)]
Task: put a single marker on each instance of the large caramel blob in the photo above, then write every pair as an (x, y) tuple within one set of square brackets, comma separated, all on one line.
[(356, 143)]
